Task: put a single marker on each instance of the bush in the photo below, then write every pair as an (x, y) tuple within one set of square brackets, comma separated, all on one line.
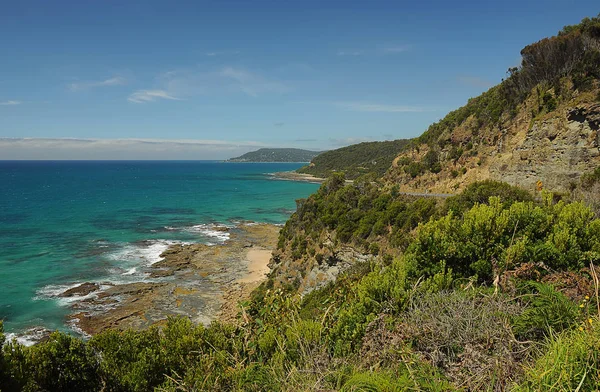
[(63, 363), (547, 312), (480, 193), (490, 238)]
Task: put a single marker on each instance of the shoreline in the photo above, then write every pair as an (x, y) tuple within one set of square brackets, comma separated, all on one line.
[(199, 281), (300, 177)]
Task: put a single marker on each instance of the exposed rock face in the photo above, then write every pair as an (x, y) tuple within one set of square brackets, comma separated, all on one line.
[(555, 148), (310, 273), (556, 151)]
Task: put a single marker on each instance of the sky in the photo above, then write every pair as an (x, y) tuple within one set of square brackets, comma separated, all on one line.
[(198, 79)]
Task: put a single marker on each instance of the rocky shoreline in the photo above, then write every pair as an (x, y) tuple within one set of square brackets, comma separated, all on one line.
[(202, 282), (294, 176)]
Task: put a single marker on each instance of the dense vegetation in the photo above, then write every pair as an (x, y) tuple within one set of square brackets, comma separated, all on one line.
[(494, 289), (277, 155), (552, 71), (356, 160), (482, 298), (360, 213)]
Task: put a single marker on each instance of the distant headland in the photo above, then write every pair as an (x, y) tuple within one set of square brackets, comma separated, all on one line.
[(277, 155)]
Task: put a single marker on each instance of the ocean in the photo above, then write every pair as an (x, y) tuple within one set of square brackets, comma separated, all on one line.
[(67, 222)]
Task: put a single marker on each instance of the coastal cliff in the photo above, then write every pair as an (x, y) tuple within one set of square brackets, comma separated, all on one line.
[(553, 148)]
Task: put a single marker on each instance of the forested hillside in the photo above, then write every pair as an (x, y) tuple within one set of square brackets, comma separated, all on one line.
[(277, 155), (356, 160)]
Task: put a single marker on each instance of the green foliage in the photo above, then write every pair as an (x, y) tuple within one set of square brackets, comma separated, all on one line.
[(588, 180), (356, 160), (63, 363), (493, 237), (480, 192), (421, 378), (570, 362), (357, 213), (548, 311)]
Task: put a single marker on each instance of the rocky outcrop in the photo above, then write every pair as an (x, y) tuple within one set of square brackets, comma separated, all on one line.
[(312, 272), (554, 148), (197, 281), (555, 151)]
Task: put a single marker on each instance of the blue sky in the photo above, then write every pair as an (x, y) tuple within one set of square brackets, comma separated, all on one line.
[(208, 80)]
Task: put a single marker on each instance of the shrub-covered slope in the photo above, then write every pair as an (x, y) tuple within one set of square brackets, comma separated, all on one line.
[(276, 155), (540, 124), (493, 289), (495, 296), (356, 160)]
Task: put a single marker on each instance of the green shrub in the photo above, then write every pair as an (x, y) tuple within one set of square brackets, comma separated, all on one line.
[(490, 238), (63, 363), (547, 311), (480, 192)]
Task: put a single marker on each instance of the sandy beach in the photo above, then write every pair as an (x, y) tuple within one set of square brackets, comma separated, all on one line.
[(258, 265)]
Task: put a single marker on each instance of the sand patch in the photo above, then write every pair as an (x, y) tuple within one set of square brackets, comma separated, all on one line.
[(258, 265)]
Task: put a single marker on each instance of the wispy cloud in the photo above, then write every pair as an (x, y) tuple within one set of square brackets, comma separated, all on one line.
[(186, 83), (144, 96), (115, 81), (376, 107), (279, 124), (378, 50), (10, 103), (350, 53)]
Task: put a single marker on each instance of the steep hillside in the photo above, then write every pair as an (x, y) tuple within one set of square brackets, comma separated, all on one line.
[(356, 160), (493, 289), (277, 155), (540, 124)]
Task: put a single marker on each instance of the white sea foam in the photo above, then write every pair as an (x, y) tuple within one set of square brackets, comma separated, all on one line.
[(147, 253), (211, 231), (28, 337), (54, 290), (130, 271), (74, 325)]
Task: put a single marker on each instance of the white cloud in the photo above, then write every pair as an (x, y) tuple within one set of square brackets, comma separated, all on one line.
[(10, 103), (143, 96), (71, 148), (115, 81), (376, 107), (185, 83)]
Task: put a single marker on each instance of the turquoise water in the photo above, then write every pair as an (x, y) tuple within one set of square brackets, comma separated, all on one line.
[(64, 222)]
